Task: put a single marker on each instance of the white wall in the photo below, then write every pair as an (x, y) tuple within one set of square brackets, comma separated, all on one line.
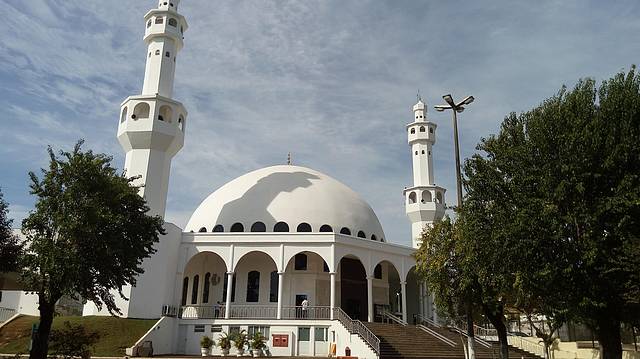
[(21, 302)]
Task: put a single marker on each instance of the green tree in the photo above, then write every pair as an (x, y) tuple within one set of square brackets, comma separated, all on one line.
[(87, 236), (10, 246), (73, 341)]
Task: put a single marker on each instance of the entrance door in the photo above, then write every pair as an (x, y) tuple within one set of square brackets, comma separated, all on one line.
[(182, 339)]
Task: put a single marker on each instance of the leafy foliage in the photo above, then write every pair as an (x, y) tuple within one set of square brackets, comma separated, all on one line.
[(10, 246), (73, 340)]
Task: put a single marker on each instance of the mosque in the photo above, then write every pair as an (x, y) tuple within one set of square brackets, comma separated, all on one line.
[(258, 247)]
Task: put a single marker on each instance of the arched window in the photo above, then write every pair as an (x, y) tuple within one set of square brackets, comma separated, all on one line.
[(258, 227), (202, 230), (233, 289), (237, 227), (373, 237), (253, 286), (413, 130), (141, 111), (303, 227), (218, 228), (430, 129), (382, 240), (345, 230), (194, 289), (181, 123), (300, 262), (326, 228), (361, 234), (412, 197), (377, 272), (159, 20), (423, 152), (149, 23), (173, 22), (416, 153), (185, 290), (422, 129), (273, 287), (325, 267), (426, 197), (281, 227), (439, 197), (123, 116), (157, 52), (205, 288)]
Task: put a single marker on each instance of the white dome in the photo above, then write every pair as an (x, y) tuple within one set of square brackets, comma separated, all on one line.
[(289, 194)]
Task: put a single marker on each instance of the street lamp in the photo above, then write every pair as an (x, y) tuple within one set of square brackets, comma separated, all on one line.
[(455, 109)]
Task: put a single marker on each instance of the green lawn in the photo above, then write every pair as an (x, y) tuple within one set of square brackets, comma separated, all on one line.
[(116, 334)]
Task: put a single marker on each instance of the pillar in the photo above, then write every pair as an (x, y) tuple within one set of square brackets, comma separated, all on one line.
[(332, 294), (370, 299), (403, 288), (227, 307), (280, 283)]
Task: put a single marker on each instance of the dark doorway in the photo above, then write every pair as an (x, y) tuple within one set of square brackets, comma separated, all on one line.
[(353, 288)]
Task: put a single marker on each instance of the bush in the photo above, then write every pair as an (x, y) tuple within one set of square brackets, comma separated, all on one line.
[(73, 340), (206, 342)]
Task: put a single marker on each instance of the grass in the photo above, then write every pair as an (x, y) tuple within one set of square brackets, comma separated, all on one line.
[(116, 334)]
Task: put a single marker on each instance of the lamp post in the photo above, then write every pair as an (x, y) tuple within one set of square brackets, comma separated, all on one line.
[(455, 109)]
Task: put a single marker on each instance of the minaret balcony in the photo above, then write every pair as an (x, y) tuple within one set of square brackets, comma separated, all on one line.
[(424, 198), (421, 131), (165, 24)]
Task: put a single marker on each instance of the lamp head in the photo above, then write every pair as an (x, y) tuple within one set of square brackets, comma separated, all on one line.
[(468, 100), (441, 108), (449, 99), (459, 109)]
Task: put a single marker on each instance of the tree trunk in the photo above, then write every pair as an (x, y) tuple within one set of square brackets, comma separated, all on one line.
[(40, 346), (609, 338), (471, 341), (498, 323)]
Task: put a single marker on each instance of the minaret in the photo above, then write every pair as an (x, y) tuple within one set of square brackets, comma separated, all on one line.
[(151, 129), (424, 201)]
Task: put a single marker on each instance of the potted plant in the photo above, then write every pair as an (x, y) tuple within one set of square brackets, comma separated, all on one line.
[(224, 342), (239, 341), (205, 345), (258, 344)]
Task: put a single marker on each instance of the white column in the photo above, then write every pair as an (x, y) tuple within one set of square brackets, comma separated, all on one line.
[(370, 299), (280, 283), (333, 293), (403, 288), (227, 307)]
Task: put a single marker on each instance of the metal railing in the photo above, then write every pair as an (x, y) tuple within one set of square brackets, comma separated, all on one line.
[(357, 327), (463, 332), (424, 320), (526, 345), (201, 312), (254, 312), (310, 312), (388, 317), (6, 314), (437, 335)]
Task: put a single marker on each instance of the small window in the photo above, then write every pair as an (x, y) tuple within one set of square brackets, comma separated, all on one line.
[(321, 334), (253, 286), (303, 227), (218, 228), (173, 22), (430, 129), (281, 227), (346, 231), (123, 116), (181, 30), (205, 288), (439, 197), (422, 129), (216, 329), (149, 54), (203, 229), (412, 197), (273, 287), (303, 334), (149, 23), (423, 152), (159, 20), (361, 234), (377, 272), (167, 54), (373, 237), (413, 130), (194, 289), (300, 261), (262, 329), (237, 227), (258, 227), (157, 52), (198, 328), (429, 153), (416, 153), (326, 228)]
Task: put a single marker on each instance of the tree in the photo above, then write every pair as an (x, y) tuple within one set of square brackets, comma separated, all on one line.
[(557, 195), (10, 246), (73, 341), (87, 236)]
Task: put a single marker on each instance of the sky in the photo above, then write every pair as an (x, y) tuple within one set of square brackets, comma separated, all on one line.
[(330, 81)]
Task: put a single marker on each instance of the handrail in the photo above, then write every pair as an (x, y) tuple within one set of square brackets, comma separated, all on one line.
[(388, 315), (436, 334), (6, 314), (422, 319), (310, 312), (357, 327), (478, 340)]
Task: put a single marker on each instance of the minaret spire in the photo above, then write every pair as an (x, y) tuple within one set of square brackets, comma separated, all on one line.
[(152, 124), (424, 201)]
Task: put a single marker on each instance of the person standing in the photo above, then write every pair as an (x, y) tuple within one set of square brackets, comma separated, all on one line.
[(305, 308)]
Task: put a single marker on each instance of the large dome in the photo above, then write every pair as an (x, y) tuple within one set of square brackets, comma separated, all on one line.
[(290, 194)]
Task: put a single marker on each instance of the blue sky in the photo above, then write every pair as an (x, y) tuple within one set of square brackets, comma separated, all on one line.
[(332, 82)]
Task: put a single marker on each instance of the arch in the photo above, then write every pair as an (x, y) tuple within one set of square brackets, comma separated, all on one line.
[(281, 227), (251, 271), (413, 293), (172, 22), (427, 197), (326, 228), (353, 287), (194, 289), (206, 287), (413, 130), (165, 113), (377, 271), (218, 228), (345, 230), (258, 227), (438, 197), (123, 116), (300, 261), (422, 129), (202, 230), (141, 111), (304, 227), (412, 197), (159, 20), (361, 234), (253, 286), (181, 122), (237, 227), (373, 237), (314, 264), (185, 290), (430, 129), (200, 265), (322, 253)]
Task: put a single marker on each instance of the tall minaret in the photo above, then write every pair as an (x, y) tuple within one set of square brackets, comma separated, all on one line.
[(151, 129), (424, 201)]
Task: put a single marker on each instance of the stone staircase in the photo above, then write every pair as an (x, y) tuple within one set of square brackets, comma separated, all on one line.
[(398, 341)]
